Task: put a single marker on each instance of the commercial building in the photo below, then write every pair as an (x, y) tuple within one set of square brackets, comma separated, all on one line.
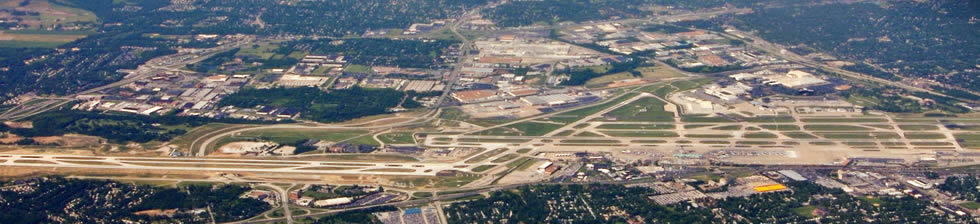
[(793, 175), (470, 96), (547, 168), (769, 188), (333, 202)]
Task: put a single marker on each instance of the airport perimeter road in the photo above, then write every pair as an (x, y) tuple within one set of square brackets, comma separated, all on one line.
[(293, 166), (206, 140)]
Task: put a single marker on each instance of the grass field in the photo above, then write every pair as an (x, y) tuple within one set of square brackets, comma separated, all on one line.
[(482, 168), (565, 133), (648, 141), (703, 119), (636, 126), (588, 134), (912, 127), (422, 194), (357, 68), (691, 84), (930, 143), (805, 211), (579, 113), (860, 143), (491, 140), (780, 127), (646, 109), (656, 134), (966, 127), (769, 119), (364, 140), (845, 120), (519, 162), (694, 126), (522, 129), (264, 51), (505, 158), (881, 126), (606, 79), (563, 119), (968, 140), (827, 127), (728, 127), (293, 135), (49, 14), (924, 135), (859, 135), (660, 90), (14, 40), (760, 135), (708, 136), (657, 72), (485, 155), (799, 135), (971, 205), (397, 138), (184, 141)]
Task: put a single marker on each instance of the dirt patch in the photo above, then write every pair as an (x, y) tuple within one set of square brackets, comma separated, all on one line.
[(59, 38), (327, 168), (14, 124), (30, 161), (157, 212), (95, 163), (10, 139), (400, 170), (69, 140)]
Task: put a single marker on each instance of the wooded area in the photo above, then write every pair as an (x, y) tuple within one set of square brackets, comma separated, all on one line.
[(315, 104)]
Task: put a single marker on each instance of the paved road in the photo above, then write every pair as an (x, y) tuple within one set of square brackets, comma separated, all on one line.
[(284, 199)]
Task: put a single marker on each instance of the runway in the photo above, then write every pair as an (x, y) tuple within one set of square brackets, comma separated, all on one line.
[(298, 166)]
